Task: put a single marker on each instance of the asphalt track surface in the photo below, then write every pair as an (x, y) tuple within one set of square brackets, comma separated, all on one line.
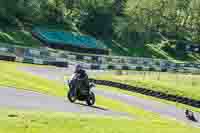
[(42, 101), (29, 100)]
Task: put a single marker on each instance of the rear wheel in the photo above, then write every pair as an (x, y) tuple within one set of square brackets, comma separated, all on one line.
[(71, 97), (91, 99)]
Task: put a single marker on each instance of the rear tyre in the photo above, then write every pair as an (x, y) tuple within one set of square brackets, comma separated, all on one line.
[(91, 99), (71, 97)]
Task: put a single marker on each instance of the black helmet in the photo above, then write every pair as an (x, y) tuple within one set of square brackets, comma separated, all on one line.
[(78, 67)]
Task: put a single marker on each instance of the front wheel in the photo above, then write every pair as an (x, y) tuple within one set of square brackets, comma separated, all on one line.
[(71, 97), (91, 99)]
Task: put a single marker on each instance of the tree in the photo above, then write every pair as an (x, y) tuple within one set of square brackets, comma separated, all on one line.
[(119, 6)]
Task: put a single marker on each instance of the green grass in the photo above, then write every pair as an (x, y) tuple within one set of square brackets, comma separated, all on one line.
[(17, 37), (133, 50), (39, 122), (178, 84), (10, 76)]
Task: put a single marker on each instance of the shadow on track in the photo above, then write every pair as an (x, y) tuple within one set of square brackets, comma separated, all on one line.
[(95, 107)]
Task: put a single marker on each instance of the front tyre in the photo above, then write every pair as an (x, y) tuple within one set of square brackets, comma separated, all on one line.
[(71, 97), (91, 99)]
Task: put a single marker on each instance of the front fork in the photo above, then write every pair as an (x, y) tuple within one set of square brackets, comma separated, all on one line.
[(72, 90)]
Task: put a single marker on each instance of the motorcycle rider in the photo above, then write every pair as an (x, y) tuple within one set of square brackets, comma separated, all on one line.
[(81, 76)]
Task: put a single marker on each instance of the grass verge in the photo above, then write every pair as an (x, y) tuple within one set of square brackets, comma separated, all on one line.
[(187, 85), (11, 77), (117, 90), (40, 122), (17, 37)]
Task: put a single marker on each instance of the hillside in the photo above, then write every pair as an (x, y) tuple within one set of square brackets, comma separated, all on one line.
[(144, 28)]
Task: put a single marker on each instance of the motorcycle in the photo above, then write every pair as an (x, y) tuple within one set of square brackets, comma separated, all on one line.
[(79, 92)]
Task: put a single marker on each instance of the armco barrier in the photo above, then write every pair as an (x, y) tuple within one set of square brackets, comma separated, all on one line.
[(101, 62), (7, 57), (31, 60), (157, 94), (100, 59), (58, 64)]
